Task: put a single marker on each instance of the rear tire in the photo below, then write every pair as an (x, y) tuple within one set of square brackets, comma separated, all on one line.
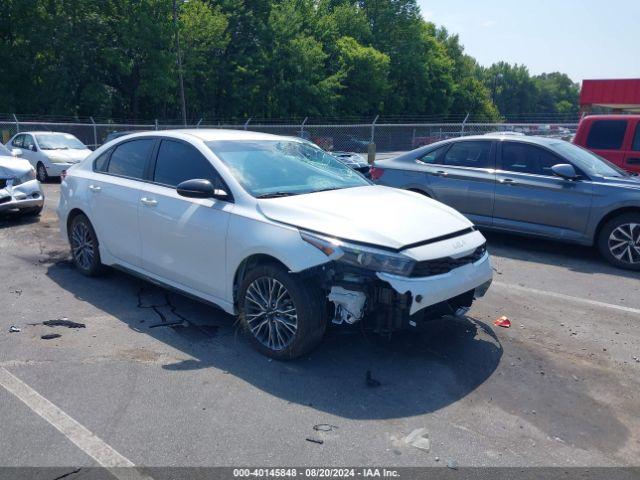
[(41, 173), (619, 241), (282, 316), (84, 246)]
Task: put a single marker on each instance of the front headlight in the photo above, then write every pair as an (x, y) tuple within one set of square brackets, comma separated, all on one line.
[(26, 177), (360, 256)]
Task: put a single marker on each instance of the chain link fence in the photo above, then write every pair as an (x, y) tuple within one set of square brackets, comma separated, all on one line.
[(387, 137)]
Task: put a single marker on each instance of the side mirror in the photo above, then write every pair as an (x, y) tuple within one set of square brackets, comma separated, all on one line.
[(566, 171), (200, 188), (16, 152), (33, 148)]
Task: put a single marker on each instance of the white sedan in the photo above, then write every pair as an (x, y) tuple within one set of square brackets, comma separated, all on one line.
[(50, 153), (273, 230)]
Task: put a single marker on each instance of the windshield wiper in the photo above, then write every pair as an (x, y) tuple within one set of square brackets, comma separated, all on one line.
[(326, 189), (275, 194)]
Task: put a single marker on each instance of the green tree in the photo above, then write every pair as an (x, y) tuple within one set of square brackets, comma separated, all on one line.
[(204, 38), (363, 76)]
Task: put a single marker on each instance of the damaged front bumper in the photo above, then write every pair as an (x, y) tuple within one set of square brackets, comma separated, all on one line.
[(429, 291), (26, 195), (387, 302)]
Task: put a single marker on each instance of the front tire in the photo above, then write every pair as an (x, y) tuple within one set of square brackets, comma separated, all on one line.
[(619, 241), (84, 246), (283, 317), (41, 173)]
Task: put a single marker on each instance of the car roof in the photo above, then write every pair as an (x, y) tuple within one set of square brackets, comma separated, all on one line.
[(32, 132), (211, 134), (545, 141), (620, 116)]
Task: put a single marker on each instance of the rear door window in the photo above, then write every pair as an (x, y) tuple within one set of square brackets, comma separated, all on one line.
[(130, 158), (524, 158), (469, 154), (178, 162), (606, 134)]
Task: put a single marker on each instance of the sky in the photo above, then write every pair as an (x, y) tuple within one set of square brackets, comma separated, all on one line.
[(586, 39)]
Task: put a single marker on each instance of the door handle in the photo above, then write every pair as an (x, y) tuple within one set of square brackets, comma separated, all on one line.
[(94, 188), (441, 173), (149, 202), (508, 181)]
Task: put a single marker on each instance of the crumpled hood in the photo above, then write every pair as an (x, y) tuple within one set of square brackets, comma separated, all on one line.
[(71, 155), (11, 167), (375, 214)]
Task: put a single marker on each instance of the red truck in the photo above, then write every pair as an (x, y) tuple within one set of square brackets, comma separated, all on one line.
[(614, 137)]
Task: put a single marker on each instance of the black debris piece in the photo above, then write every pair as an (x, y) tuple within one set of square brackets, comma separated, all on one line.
[(50, 336), (314, 440), (63, 322), (372, 382)]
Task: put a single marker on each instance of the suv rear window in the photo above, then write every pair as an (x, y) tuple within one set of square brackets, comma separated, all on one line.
[(607, 134)]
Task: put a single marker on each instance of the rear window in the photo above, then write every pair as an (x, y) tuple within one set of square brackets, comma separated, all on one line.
[(607, 134)]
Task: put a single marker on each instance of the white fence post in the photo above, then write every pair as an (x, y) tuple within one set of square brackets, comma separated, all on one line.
[(17, 123), (246, 124)]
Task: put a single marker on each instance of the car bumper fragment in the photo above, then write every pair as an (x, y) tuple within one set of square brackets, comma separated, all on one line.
[(25, 195), (439, 288)]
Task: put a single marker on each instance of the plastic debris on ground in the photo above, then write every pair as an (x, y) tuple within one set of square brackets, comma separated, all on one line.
[(419, 438), (14, 329), (370, 381), (324, 427), (503, 322), (452, 464), (314, 440), (50, 336)]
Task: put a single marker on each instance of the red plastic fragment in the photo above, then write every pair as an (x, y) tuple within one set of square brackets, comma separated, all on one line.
[(502, 322)]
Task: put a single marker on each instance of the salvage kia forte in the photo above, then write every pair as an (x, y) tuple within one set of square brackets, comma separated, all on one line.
[(273, 230)]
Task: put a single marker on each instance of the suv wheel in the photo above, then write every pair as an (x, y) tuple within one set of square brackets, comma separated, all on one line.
[(41, 173), (84, 246), (283, 317), (619, 241)]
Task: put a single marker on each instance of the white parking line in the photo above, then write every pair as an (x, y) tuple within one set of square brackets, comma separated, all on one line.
[(562, 296), (84, 439)]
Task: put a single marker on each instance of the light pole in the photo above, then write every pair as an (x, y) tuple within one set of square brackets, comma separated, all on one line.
[(183, 104)]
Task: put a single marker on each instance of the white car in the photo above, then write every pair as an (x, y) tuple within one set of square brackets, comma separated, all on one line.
[(19, 189), (273, 230), (50, 153)]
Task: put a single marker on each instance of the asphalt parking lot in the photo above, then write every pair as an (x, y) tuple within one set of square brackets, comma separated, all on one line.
[(561, 387)]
